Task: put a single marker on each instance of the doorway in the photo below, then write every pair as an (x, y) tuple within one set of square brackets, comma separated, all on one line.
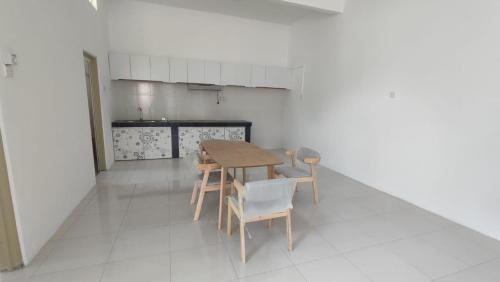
[(94, 103), (10, 252)]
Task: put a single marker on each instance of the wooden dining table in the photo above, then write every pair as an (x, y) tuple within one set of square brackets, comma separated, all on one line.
[(237, 154)]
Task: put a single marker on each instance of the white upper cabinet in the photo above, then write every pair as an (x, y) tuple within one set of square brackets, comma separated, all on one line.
[(258, 76), (278, 77), (165, 69), (236, 74), (196, 71), (119, 66), (140, 68), (178, 70), (212, 73), (160, 69)]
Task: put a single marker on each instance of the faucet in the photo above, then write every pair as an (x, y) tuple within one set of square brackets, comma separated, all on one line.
[(139, 110)]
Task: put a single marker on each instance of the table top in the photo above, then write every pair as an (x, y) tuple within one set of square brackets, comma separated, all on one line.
[(238, 154)]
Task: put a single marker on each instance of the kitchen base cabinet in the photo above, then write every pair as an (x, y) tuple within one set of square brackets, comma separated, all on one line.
[(189, 140), (137, 140), (127, 143), (138, 143), (157, 142)]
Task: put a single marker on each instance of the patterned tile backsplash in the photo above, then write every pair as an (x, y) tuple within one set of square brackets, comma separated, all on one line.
[(137, 143), (190, 137)]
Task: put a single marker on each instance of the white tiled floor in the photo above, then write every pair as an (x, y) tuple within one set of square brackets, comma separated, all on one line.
[(137, 226)]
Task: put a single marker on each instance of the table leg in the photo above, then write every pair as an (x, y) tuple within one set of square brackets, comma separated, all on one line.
[(270, 171), (223, 180)]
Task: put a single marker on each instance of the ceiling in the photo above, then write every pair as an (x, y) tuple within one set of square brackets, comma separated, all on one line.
[(263, 10)]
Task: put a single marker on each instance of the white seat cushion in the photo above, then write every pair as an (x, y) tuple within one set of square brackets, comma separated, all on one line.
[(292, 172)]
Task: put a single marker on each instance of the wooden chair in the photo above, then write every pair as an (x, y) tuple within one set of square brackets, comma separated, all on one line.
[(209, 180), (307, 156), (261, 200)]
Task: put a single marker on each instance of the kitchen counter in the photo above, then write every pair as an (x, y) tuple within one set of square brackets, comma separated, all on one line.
[(158, 139), (169, 123)]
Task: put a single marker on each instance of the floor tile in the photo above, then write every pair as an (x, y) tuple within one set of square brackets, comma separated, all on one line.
[(94, 224), (141, 242), (90, 274), (78, 252), (331, 269), (146, 217), (429, 260), (147, 269), (451, 242), (262, 255), (210, 263), (379, 264), (289, 274), (308, 245), (190, 235)]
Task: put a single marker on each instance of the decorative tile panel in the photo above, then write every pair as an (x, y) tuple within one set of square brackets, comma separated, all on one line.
[(157, 142), (189, 140), (209, 133), (127, 143), (235, 133)]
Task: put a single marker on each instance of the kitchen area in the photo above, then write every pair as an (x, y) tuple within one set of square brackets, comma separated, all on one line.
[(163, 107)]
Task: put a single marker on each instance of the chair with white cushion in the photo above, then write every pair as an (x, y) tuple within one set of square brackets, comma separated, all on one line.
[(308, 157), (261, 200)]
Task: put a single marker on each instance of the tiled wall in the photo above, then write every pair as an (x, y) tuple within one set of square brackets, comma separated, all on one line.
[(263, 107)]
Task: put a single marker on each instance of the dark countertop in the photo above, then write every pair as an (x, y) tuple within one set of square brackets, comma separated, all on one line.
[(170, 123)]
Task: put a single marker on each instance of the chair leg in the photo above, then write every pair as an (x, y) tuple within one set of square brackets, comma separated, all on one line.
[(195, 192), (199, 205), (242, 241), (315, 191), (289, 230), (229, 223)]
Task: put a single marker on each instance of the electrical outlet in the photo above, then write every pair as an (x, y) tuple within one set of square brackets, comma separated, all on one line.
[(392, 95)]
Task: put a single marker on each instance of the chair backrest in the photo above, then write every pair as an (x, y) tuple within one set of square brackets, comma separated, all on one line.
[(304, 153), (278, 192)]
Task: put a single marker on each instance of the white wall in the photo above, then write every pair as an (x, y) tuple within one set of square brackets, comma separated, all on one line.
[(146, 28), (437, 143), (44, 111), (140, 27), (333, 6)]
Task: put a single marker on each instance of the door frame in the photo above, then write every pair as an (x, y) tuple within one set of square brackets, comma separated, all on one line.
[(10, 255), (96, 110)]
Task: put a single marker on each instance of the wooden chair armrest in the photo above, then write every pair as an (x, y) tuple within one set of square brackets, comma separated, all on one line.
[(312, 161), (209, 166)]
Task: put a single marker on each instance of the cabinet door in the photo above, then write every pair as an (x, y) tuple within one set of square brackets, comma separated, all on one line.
[(119, 66), (210, 133), (140, 68), (236, 74), (278, 77), (258, 76), (178, 70), (157, 142), (127, 143), (235, 133), (189, 140), (160, 69), (212, 73), (196, 71)]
